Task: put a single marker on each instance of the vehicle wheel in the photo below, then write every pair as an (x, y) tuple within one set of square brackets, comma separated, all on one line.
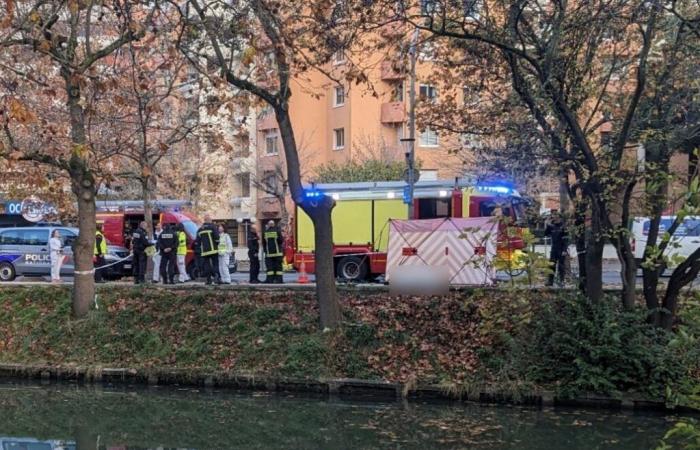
[(7, 272), (352, 268)]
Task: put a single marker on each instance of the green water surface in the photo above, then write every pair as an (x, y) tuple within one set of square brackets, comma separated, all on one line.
[(68, 416)]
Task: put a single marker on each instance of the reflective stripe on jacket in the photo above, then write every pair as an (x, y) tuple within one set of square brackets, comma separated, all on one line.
[(272, 247), (225, 244), (206, 238), (181, 243), (102, 250)]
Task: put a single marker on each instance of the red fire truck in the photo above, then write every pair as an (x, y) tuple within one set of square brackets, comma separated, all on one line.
[(120, 218), (363, 210)]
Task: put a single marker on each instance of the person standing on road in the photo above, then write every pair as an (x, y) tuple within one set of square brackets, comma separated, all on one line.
[(100, 252), (556, 230), (167, 245), (208, 238), (56, 249), (273, 253), (182, 254), (254, 256), (225, 252), (139, 242), (156, 256)]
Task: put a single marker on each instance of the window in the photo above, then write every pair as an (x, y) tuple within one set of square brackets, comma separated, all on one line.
[(244, 178), (470, 96), (339, 56), (269, 183), (398, 92), (338, 96), (427, 7), (434, 208), (68, 237), (25, 237), (429, 138), (428, 92), (338, 138), (214, 182), (271, 143)]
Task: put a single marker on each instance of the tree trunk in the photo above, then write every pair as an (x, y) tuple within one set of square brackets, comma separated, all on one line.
[(319, 210), (325, 274), (656, 190), (83, 186), (594, 260), (628, 272), (580, 227), (685, 273), (148, 218), (147, 209)]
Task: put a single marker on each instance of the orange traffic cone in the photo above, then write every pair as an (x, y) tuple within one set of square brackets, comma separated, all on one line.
[(303, 277)]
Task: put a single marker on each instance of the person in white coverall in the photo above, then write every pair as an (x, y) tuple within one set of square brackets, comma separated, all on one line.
[(156, 257), (225, 252), (56, 249)]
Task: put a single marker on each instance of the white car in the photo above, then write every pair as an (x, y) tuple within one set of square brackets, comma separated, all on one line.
[(684, 241)]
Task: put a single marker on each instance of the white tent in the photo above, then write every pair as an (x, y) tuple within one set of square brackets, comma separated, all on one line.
[(462, 248)]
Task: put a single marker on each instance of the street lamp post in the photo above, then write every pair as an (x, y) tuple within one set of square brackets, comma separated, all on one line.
[(411, 141)]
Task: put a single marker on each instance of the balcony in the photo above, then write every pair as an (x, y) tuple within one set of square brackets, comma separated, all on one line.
[(393, 112), (389, 72)]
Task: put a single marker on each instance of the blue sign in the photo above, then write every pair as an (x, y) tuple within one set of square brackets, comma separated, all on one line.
[(13, 208), (407, 195), (689, 227)]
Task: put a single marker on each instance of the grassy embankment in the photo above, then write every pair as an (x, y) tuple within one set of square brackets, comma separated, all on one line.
[(512, 341)]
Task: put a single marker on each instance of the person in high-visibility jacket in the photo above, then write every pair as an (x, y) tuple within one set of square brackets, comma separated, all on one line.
[(272, 242), (225, 252), (183, 277), (100, 252), (208, 241)]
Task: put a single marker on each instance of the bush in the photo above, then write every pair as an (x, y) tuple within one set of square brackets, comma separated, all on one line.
[(597, 348)]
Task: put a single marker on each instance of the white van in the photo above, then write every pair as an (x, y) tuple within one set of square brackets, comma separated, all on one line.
[(684, 241)]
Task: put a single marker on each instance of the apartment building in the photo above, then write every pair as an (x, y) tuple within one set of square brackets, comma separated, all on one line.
[(339, 121)]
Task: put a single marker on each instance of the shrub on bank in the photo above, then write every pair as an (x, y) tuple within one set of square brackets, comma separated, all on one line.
[(503, 339)]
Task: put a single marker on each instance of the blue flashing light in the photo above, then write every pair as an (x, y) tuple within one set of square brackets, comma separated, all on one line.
[(312, 194), (497, 188)]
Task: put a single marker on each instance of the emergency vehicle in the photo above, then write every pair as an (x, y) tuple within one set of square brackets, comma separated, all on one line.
[(120, 218), (363, 210)]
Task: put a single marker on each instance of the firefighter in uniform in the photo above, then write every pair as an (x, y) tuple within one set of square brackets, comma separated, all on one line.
[(167, 245), (253, 255), (273, 241), (139, 242), (100, 252), (182, 254), (208, 238)]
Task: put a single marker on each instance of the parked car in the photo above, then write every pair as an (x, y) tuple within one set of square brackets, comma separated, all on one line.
[(685, 240), (25, 252)]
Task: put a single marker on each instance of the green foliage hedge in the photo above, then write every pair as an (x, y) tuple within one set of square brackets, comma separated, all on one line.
[(510, 340)]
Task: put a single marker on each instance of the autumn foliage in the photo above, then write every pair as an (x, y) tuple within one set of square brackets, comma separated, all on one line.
[(467, 341)]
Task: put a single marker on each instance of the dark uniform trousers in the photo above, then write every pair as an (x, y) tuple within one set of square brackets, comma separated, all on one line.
[(168, 264), (254, 269), (140, 262), (274, 269)]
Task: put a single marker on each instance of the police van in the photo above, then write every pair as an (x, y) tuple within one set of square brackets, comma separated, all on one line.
[(25, 252), (685, 240)]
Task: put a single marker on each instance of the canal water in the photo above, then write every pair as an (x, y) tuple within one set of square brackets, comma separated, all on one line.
[(63, 416)]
